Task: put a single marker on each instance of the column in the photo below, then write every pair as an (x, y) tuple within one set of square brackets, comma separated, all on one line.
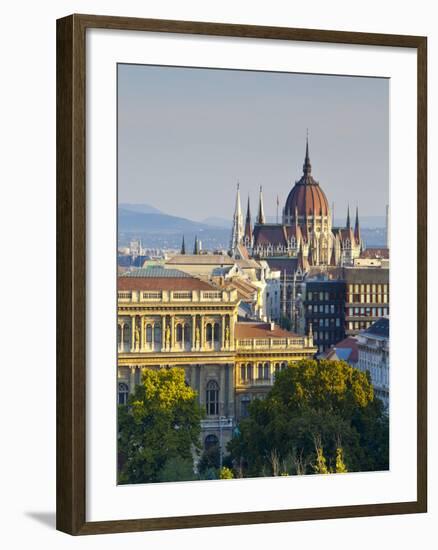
[(163, 333), (142, 333), (133, 333), (231, 331), (172, 332), (122, 337), (223, 332), (193, 332)]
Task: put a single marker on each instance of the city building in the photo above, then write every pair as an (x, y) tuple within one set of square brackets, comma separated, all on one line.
[(373, 356), (306, 231), (367, 297), (169, 318), (323, 310)]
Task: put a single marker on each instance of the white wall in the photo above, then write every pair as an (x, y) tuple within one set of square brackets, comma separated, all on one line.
[(28, 280)]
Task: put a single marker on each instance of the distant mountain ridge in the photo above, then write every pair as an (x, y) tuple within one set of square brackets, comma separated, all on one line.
[(131, 221), (141, 208)]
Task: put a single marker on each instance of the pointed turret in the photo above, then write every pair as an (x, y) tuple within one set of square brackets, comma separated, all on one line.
[(183, 246), (356, 227), (248, 226), (237, 230), (348, 218), (261, 216)]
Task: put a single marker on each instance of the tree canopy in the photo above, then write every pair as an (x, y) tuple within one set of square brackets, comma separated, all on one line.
[(159, 429), (320, 416)]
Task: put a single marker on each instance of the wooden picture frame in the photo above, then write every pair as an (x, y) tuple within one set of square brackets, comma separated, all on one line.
[(71, 273)]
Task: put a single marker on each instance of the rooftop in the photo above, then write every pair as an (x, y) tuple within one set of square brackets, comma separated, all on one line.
[(158, 278), (200, 259), (345, 350), (379, 328), (261, 330)]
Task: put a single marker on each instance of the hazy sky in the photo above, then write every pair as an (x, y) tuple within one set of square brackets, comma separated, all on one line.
[(186, 136)]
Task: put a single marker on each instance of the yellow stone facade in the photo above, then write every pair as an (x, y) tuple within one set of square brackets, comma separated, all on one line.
[(198, 331)]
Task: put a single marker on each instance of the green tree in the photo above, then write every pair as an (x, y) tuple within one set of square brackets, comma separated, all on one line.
[(159, 429), (225, 473), (340, 467), (324, 401)]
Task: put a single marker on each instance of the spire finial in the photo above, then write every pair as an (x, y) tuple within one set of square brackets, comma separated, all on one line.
[(307, 167)]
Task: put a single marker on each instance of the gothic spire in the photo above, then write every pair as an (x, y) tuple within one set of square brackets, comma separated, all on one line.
[(348, 217), (356, 226), (261, 216), (307, 167), (237, 230), (248, 227), (183, 246)]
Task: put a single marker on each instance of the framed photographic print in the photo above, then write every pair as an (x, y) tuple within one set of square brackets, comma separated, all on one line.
[(241, 287)]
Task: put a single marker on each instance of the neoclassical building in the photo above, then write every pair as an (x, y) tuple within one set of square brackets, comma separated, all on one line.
[(168, 318), (306, 231)]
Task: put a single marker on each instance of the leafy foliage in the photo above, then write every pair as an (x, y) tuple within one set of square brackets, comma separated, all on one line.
[(159, 428), (318, 417)]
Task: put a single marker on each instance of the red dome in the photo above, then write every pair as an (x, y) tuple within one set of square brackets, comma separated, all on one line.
[(307, 198)]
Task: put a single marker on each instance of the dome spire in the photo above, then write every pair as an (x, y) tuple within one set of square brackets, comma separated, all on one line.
[(307, 167)]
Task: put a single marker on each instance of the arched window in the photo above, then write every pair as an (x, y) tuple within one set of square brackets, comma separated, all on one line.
[(210, 441), (149, 334), (242, 373), (212, 398), (260, 371), (209, 333), (216, 333), (266, 372), (123, 393)]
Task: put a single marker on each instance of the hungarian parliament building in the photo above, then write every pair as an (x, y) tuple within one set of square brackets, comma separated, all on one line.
[(306, 232)]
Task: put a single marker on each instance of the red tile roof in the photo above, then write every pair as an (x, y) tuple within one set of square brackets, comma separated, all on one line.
[(163, 283), (261, 330)]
